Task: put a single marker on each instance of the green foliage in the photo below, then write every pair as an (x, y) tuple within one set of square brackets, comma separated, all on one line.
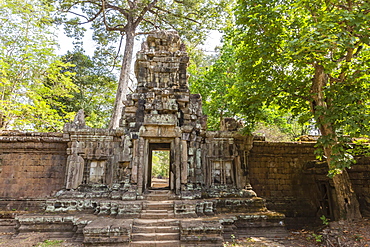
[(311, 59), (218, 84), (96, 88), (325, 221), (318, 237), (30, 72), (50, 243), (160, 163), (360, 147), (213, 83), (109, 22)]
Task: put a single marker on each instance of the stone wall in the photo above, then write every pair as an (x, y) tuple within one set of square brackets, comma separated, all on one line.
[(32, 165), (287, 175), (360, 175), (293, 182), (276, 174)]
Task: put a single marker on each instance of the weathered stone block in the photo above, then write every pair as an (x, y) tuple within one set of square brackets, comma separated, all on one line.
[(163, 119)]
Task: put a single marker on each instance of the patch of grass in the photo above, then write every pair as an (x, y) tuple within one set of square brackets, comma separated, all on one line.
[(48, 243)]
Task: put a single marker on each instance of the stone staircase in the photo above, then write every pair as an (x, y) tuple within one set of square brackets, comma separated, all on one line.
[(159, 219), (163, 210), (159, 195), (156, 226), (155, 232)]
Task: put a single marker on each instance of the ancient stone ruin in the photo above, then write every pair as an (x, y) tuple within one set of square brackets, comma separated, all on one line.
[(96, 186), (160, 115)]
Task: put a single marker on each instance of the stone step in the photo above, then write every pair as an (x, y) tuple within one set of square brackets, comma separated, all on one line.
[(107, 232), (154, 236), (156, 222), (168, 192), (170, 243), (7, 225), (158, 197), (157, 215), (154, 211), (155, 229), (153, 205)]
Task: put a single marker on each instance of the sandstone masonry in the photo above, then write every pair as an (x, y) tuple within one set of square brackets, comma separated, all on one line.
[(96, 186)]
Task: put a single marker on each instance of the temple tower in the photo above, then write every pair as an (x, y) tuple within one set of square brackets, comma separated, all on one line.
[(161, 113)]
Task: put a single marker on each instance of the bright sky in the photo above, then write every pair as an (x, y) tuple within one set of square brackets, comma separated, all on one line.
[(66, 44), (213, 40)]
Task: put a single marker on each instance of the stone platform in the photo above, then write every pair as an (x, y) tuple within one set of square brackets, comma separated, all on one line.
[(157, 220)]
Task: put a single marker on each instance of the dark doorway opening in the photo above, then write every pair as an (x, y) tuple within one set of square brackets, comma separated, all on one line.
[(325, 200), (159, 166)]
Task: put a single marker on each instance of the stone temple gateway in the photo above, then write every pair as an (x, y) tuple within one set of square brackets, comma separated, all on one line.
[(96, 186), (108, 197), (160, 114)]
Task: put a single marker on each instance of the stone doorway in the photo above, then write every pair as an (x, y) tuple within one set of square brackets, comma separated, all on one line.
[(159, 165)]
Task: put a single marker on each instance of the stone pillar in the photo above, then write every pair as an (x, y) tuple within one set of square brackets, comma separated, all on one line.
[(177, 165), (145, 163), (135, 161), (75, 170), (172, 165), (184, 162), (140, 167)]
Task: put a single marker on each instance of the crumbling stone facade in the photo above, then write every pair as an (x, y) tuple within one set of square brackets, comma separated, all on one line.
[(161, 113), (96, 186)]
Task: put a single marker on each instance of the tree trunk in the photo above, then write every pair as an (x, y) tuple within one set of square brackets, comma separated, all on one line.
[(348, 207), (122, 89)]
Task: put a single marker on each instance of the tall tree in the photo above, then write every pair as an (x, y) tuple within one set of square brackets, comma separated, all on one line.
[(30, 72), (216, 80), (311, 55), (113, 19), (96, 88)]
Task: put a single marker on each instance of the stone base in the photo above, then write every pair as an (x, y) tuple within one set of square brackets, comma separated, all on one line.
[(159, 217), (107, 232), (201, 232), (94, 230)]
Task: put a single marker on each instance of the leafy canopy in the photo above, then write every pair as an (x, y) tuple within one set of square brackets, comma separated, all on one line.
[(96, 87), (311, 58), (30, 72), (110, 20), (218, 83), (113, 20)]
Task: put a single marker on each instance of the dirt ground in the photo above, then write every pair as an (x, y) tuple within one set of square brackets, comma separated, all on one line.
[(336, 234)]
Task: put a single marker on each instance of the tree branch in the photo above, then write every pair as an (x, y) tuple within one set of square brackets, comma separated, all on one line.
[(358, 51), (143, 12), (107, 26), (164, 20), (88, 20), (125, 12), (151, 23), (132, 4), (169, 12)]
